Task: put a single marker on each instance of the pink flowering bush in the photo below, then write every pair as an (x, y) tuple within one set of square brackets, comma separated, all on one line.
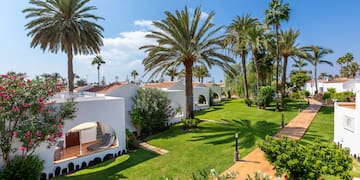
[(27, 114)]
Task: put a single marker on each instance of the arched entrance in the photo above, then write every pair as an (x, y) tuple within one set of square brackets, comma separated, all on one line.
[(83, 139), (201, 99)]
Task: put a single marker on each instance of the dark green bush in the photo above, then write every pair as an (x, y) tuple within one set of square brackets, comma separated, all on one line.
[(326, 95), (130, 140), (295, 96), (264, 97), (25, 168), (306, 93), (248, 102), (190, 123), (346, 96), (151, 111)]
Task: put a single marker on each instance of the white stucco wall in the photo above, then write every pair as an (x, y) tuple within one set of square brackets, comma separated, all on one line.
[(126, 91), (107, 110), (348, 137), (177, 97), (216, 89), (338, 86), (310, 86), (88, 135), (177, 86), (197, 91)]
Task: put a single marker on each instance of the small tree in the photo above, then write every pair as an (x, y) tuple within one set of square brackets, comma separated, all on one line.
[(307, 162), (299, 79), (151, 110), (26, 114), (265, 96)]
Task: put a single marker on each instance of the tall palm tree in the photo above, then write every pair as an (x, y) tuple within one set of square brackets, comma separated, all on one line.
[(66, 26), (201, 72), (276, 13), (288, 48), (188, 40), (257, 42), (172, 73), (353, 69), (315, 57), (134, 73), (98, 61), (237, 40), (299, 63)]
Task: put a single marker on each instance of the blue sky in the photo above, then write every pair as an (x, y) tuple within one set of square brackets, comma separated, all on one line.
[(332, 24)]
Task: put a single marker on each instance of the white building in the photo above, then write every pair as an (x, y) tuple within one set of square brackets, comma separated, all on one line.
[(310, 86), (347, 123), (340, 84), (83, 143)]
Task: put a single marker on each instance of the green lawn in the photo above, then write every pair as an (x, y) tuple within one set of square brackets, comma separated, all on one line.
[(210, 146), (322, 127)]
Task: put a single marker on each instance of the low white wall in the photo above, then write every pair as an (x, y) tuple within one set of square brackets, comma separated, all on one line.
[(197, 91)]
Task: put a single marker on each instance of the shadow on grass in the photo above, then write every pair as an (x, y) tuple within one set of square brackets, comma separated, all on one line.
[(114, 172), (327, 110), (248, 132)]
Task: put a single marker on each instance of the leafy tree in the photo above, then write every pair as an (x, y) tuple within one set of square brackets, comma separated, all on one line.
[(276, 13), (64, 25), (27, 115), (315, 57), (299, 63), (307, 162), (185, 40), (172, 73), (201, 72), (237, 40), (351, 70), (134, 73), (98, 61), (288, 48), (265, 96), (299, 79), (151, 110), (346, 59)]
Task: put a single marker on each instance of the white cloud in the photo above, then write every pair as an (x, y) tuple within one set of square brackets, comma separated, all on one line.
[(204, 15), (121, 54), (144, 23)]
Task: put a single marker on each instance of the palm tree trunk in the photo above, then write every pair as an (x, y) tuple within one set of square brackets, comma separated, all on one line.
[(315, 74), (172, 78), (98, 68), (283, 81), (257, 72), (201, 80), (70, 67), (243, 59), (188, 89), (277, 68)]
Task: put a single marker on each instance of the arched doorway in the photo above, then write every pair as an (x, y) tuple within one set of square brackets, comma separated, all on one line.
[(83, 139), (201, 99)]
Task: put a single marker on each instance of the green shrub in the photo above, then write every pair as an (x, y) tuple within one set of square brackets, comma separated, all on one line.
[(331, 90), (23, 167), (190, 123), (151, 110), (248, 102), (264, 97), (346, 96), (306, 93), (326, 95), (130, 140), (295, 96)]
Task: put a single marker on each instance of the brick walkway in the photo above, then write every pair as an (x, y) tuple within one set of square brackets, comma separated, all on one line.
[(255, 161), (152, 148)]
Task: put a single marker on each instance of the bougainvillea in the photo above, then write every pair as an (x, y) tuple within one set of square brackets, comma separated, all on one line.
[(28, 115)]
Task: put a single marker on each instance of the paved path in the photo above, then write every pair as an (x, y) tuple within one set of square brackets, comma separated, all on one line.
[(255, 161), (152, 148)]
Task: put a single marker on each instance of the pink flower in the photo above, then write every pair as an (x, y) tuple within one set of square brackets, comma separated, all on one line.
[(5, 76), (38, 133), (15, 109), (59, 134), (5, 96), (14, 77), (41, 110), (28, 81), (54, 126), (28, 134), (14, 134), (59, 85), (30, 143), (22, 149), (21, 84), (26, 105), (51, 139), (50, 92), (60, 126)]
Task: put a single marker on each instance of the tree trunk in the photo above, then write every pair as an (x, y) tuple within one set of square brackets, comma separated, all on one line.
[(315, 78), (98, 68), (283, 81), (70, 67), (257, 71), (243, 62), (172, 78), (201, 80), (188, 89), (277, 68)]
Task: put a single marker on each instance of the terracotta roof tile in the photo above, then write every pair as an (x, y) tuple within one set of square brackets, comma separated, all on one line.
[(339, 80), (166, 84), (105, 89)]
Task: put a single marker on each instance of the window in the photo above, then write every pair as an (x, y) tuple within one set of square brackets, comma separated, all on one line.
[(349, 123)]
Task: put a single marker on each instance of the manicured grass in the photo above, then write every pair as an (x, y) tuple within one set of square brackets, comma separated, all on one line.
[(322, 127), (211, 146)]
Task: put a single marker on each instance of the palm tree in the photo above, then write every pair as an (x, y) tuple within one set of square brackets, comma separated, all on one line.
[(238, 41), (315, 57), (201, 72), (288, 48), (346, 59), (352, 69), (257, 42), (98, 61), (64, 25), (134, 73), (187, 40), (276, 13), (299, 63), (172, 73)]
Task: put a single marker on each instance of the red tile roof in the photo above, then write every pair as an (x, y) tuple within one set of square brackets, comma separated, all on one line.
[(105, 89), (339, 80), (166, 84)]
